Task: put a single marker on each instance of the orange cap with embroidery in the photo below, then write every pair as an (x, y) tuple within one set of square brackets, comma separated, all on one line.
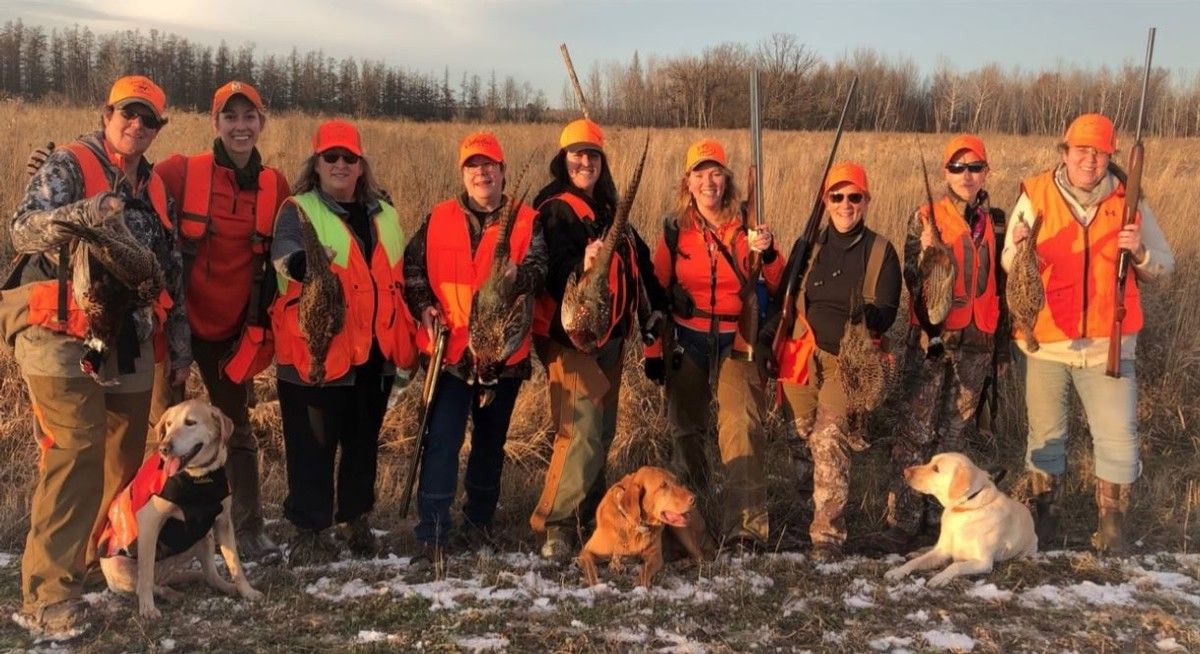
[(337, 134), (225, 93), (480, 143), (962, 142), (847, 172), (136, 88), (582, 134), (1092, 130), (705, 150)]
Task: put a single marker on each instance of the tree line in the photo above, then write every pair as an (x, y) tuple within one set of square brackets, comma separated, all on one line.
[(707, 90)]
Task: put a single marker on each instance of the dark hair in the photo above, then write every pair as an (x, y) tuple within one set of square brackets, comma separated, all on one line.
[(365, 189), (605, 193)]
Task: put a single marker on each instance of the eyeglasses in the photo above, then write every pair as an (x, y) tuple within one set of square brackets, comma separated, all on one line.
[(149, 120), (960, 168), (332, 157), (483, 166), (854, 198)]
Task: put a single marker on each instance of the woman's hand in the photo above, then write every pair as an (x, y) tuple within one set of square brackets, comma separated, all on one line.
[(589, 254), (760, 238)]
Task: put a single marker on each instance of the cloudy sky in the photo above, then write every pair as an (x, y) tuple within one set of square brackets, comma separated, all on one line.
[(520, 37)]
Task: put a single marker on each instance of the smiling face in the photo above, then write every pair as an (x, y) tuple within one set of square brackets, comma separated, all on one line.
[(844, 212), (238, 125), (483, 180), (583, 169), (707, 183), (126, 131), (959, 177), (339, 177), (1086, 166)]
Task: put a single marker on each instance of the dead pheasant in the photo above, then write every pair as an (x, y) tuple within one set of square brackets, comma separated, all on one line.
[(112, 275), (1024, 292), (500, 316), (587, 302), (936, 271), (322, 310), (865, 370)]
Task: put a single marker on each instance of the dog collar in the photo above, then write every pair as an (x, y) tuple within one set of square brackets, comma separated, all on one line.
[(959, 506)]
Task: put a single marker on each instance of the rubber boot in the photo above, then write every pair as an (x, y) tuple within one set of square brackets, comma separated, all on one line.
[(1047, 496), (1112, 503), (253, 544)]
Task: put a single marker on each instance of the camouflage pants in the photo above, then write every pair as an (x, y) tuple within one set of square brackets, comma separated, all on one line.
[(941, 399), (818, 413)]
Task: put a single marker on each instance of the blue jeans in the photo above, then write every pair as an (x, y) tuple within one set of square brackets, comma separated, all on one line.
[(455, 401), (1110, 406)]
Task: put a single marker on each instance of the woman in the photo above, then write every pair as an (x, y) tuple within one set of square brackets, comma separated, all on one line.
[(942, 388), (850, 266), (339, 196), (576, 208), (228, 200), (444, 268), (91, 431), (703, 260), (1081, 202)]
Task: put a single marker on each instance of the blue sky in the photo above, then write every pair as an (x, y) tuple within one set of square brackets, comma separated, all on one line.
[(520, 37)]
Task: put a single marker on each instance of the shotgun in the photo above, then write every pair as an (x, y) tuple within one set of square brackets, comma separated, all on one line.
[(428, 392), (746, 336), (1133, 194), (798, 259)]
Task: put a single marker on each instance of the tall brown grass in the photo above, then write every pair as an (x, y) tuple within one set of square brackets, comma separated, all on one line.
[(416, 162)]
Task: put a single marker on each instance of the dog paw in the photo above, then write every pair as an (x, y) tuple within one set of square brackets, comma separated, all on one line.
[(895, 574), (939, 580), (149, 611), (252, 595)]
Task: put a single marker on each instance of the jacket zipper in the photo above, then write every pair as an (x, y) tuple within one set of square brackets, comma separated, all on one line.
[(1087, 257)]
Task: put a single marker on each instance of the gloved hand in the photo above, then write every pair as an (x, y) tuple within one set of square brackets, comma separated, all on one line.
[(654, 369), (38, 157)]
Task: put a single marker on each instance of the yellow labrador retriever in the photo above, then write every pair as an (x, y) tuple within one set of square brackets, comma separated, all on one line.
[(980, 525), (169, 513)]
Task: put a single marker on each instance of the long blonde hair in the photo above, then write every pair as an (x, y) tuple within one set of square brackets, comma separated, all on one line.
[(365, 190), (686, 212)]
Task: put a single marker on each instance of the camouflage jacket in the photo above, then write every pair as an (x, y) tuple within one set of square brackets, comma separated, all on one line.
[(56, 192), (418, 294)]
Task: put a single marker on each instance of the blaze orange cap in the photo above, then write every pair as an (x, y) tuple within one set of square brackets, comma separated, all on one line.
[(480, 143), (1092, 130), (964, 142), (705, 150), (337, 134), (136, 88), (225, 93), (847, 171), (582, 134)]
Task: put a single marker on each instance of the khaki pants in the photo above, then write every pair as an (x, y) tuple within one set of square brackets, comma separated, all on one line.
[(583, 393), (741, 401), (91, 440), (818, 412), (233, 400)]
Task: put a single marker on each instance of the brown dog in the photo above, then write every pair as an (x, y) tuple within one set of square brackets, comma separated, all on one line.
[(630, 522), (980, 525), (168, 515)]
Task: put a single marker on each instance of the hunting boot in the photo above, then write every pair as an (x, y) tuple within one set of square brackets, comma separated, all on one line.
[(1047, 496), (252, 540), (1112, 503)]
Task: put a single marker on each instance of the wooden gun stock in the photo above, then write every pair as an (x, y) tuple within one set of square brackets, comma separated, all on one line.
[(428, 392)]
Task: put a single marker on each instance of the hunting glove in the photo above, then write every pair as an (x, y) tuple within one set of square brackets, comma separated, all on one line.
[(38, 157), (654, 369)]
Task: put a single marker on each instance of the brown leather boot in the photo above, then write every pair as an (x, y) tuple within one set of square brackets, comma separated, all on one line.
[(1047, 494), (1112, 503)]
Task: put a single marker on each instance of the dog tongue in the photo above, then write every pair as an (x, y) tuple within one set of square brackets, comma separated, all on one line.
[(171, 465)]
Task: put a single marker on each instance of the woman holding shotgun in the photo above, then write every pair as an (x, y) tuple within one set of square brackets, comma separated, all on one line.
[(703, 261), (1081, 202), (576, 209), (851, 271), (942, 386), (444, 268)]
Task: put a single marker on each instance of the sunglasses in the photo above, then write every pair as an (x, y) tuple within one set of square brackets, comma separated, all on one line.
[(960, 168), (854, 198), (332, 157), (149, 120)]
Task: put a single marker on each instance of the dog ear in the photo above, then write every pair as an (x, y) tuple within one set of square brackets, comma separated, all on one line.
[(630, 501), (160, 429), (224, 424), (962, 483)]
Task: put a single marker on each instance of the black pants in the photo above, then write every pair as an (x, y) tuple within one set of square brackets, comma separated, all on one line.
[(318, 419)]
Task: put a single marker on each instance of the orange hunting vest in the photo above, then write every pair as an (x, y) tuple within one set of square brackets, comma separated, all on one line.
[(218, 289), (43, 295), (545, 305), (971, 304), (455, 274), (1079, 266), (373, 293)]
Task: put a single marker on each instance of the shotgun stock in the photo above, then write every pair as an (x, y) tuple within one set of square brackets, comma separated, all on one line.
[(1133, 195), (798, 259), (746, 336), (428, 392)]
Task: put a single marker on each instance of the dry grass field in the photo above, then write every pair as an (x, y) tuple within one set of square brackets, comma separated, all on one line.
[(415, 162)]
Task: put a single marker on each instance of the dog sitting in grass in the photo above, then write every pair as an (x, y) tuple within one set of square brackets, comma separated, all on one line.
[(168, 515)]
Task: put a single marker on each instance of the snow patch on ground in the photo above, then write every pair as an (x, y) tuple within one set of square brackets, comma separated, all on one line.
[(488, 643), (894, 644), (1087, 592), (989, 592), (948, 640)]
